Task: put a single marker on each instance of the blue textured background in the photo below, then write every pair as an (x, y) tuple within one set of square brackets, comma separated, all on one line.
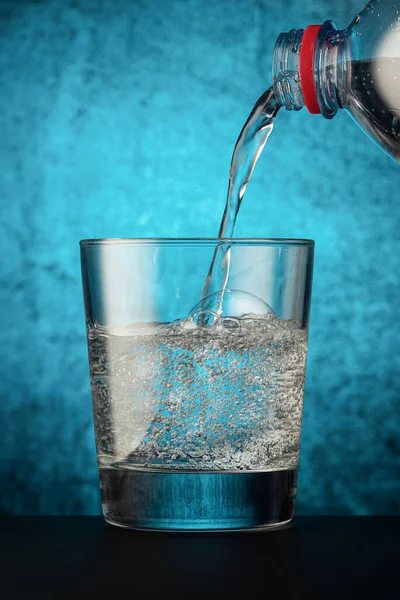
[(118, 118)]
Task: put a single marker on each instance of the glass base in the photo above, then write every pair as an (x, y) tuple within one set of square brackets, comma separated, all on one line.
[(197, 501)]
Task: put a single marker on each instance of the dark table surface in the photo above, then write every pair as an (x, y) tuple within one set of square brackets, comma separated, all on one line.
[(317, 557)]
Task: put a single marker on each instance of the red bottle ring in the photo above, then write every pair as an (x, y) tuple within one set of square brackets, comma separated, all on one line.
[(307, 79)]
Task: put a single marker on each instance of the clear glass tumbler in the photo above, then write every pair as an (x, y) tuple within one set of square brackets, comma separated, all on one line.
[(197, 402)]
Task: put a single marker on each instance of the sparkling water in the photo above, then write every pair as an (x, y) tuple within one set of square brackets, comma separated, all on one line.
[(182, 396), (248, 148)]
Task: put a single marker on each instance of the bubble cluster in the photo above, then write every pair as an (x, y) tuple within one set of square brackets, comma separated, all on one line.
[(183, 396)]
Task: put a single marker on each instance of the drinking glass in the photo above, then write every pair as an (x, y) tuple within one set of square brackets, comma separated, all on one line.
[(197, 402)]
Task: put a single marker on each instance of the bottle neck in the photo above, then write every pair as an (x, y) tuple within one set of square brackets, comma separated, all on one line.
[(309, 68)]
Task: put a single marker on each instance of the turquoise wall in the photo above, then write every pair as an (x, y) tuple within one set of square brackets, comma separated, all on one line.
[(118, 118)]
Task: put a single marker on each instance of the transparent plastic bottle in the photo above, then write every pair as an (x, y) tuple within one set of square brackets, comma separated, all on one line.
[(357, 69)]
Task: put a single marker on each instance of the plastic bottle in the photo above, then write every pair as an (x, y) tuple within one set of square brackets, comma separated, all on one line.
[(357, 69)]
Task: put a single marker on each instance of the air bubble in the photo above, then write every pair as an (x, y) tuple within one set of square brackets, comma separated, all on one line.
[(235, 304), (231, 323), (204, 317)]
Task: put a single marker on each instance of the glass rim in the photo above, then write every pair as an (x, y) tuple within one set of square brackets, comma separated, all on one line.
[(196, 241)]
